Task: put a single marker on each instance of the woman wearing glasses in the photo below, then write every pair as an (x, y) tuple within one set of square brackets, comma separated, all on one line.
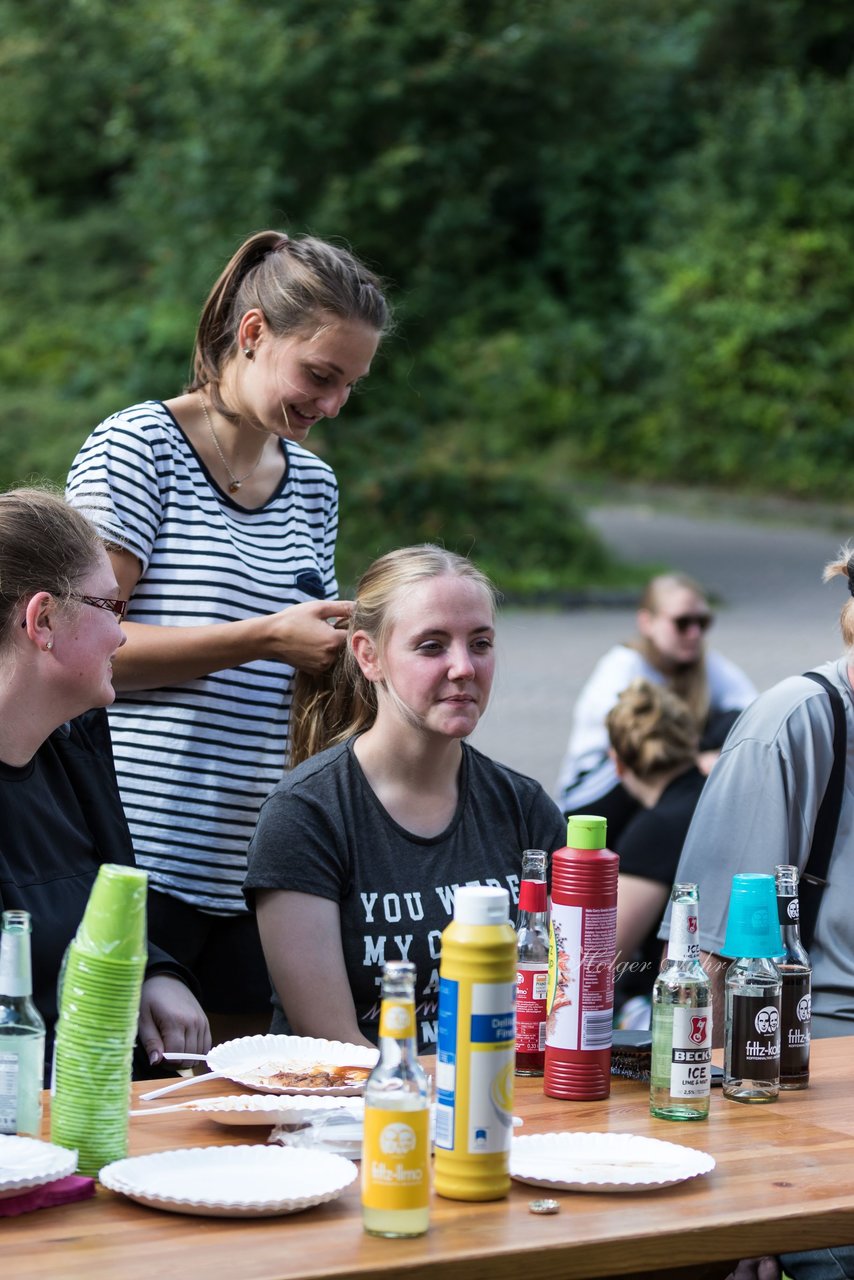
[(60, 812), (221, 531), (669, 649)]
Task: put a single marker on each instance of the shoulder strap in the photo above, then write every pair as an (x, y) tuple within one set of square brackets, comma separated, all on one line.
[(813, 878)]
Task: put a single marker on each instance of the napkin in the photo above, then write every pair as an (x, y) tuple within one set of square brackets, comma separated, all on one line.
[(62, 1191)]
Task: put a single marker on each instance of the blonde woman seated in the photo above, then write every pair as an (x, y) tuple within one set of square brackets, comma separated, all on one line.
[(654, 746), (669, 649), (359, 848)]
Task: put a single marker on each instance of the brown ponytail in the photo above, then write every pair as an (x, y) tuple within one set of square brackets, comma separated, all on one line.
[(295, 284)]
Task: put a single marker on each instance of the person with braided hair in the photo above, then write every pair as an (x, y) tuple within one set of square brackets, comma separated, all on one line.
[(654, 742), (221, 526)]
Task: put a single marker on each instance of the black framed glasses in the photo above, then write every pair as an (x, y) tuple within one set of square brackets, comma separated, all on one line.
[(118, 607), (685, 621)]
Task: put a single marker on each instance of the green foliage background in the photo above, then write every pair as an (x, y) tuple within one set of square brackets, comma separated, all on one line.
[(618, 233)]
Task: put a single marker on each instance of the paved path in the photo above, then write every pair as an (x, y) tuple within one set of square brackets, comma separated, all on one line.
[(775, 618)]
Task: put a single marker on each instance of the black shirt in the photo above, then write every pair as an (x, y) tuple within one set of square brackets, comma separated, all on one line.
[(60, 818), (649, 848)]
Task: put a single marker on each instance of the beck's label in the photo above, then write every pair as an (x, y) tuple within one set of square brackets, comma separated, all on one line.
[(691, 1053)]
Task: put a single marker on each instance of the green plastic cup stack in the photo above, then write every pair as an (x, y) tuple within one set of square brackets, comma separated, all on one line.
[(98, 1012)]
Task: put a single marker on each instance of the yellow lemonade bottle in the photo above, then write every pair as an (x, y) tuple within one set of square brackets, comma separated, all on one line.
[(476, 1047), (396, 1143)]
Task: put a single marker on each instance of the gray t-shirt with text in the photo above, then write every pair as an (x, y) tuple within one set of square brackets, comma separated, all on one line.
[(323, 831)]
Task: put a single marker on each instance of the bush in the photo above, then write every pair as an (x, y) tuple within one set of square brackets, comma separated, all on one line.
[(744, 300), (524, 534)]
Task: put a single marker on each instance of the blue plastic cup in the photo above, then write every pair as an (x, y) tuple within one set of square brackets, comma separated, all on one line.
[(753, 926)]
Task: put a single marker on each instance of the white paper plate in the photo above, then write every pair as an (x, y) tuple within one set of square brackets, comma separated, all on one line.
[(264, 1108), (231, 1182), (26, 1162), (603, 1161), (251, 1060)]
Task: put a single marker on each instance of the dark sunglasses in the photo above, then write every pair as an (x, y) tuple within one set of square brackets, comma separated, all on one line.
[(687, 620)]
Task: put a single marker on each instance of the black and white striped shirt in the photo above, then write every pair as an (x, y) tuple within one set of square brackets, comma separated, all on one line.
[(195, 761)]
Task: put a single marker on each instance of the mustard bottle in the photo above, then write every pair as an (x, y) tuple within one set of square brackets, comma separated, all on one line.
[(476, 1047)]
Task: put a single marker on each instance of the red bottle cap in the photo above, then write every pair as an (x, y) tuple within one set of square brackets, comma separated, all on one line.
[(532, 895)]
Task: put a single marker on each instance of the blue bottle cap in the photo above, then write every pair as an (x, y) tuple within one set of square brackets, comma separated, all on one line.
[(752, 927)]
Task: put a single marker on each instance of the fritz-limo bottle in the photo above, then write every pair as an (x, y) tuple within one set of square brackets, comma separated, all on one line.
[(476, 1047), (582, 951), (396, 1143)]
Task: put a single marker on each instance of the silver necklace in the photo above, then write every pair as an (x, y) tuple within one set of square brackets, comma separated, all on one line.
[(234, 482)]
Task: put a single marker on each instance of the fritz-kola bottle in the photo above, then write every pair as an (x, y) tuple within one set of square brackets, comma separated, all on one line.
[(532, 964), (22, 1032), (396, 1143), (752, 1026), (796, 996), (681, 1019), (476, 1047)]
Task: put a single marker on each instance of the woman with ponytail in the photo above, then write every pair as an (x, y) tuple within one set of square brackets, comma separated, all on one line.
[(387, 808), (221, 530)]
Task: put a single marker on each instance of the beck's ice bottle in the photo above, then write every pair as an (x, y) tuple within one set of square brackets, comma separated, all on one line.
[(681, 1019)]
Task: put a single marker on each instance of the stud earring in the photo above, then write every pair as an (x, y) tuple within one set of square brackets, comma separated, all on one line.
[(49, 644), (249, 353)]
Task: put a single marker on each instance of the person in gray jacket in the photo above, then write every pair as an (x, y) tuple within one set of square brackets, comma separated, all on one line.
[(758, 809)]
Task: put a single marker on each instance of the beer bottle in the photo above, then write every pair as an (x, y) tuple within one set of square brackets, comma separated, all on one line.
[(680, 1081)]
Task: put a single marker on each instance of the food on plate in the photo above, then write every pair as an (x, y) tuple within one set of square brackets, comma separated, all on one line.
[(317, 1075)]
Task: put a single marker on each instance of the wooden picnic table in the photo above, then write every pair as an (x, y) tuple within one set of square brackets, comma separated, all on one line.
[(784, 1180)]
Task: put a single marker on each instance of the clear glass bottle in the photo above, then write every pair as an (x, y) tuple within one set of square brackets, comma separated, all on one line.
[(396, 1144), (22, 1032), (752, 1030), (796, 995), (680, 1076), (532, 963)]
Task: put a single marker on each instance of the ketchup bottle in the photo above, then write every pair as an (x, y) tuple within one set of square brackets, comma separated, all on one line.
[(582, 951)]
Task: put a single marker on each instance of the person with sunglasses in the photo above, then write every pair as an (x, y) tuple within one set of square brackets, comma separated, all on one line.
[(669, 649), (221, 529), (60, 812)]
